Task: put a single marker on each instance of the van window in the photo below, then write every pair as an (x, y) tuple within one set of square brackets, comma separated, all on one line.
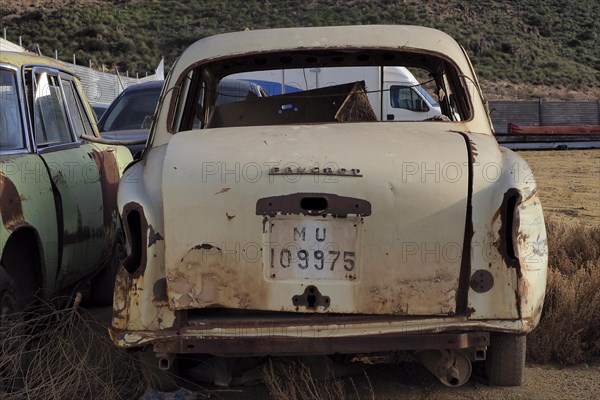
[(405, 97)]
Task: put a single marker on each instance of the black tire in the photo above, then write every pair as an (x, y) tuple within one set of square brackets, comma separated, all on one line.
[(156, 378), (103, 284), (505, 361), (8, 300)]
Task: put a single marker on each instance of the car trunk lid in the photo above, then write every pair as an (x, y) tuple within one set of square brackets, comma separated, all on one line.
[(362, 218)]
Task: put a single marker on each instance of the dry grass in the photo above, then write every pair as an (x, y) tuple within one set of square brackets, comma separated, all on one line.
[(64, 354), (569, 331), (295, 381)]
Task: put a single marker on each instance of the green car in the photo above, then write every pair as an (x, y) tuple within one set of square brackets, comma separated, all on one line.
[(58, 187)]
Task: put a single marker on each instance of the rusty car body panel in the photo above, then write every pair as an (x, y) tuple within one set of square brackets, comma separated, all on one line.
[(436, 229), (57, 191)]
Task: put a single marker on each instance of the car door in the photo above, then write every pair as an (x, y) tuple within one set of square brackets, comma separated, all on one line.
[(58, 122), (26, 198)]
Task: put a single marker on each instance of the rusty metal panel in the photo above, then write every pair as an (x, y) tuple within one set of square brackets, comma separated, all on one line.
[(311, 332), (504, 238), (217, 248), (63, 194), (531, 247), (306, 203), (76, 177), (27, 200), (140, 301), (251, 346)]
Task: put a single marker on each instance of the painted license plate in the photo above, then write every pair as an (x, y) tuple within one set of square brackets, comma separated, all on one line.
[(313, 249)]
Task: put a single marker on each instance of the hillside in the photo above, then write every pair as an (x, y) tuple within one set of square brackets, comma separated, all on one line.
[(520, 49)]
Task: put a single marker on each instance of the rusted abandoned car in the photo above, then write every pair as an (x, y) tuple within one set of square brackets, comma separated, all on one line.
[(302, 223), (58, 188)]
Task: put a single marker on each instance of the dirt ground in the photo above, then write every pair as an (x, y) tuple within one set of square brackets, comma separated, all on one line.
[(568, 183), (410, 381)]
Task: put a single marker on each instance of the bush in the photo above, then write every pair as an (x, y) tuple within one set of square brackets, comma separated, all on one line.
[(569, 330), (64, 354)]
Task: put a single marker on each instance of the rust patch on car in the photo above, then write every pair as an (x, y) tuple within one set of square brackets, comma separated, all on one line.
[(153, 236), (121, 299), (160, 290), (229, 217), (473, 151), (224, 190), (82, 232), (12, 209), (109, 180), (206, 246), (202, 279), (389, 299)]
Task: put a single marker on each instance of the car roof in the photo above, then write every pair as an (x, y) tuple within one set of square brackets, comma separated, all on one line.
[(145, 85), (20, 59), (393, 37)]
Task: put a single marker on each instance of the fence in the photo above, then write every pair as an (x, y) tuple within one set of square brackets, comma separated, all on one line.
[(102, 87), (539, 112), (99, 87)]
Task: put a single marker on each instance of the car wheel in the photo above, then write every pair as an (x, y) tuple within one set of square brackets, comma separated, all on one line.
[(8, 299), (505, 363), (103, 284)]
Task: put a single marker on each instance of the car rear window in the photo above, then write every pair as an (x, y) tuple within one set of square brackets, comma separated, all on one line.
[(133, 111)]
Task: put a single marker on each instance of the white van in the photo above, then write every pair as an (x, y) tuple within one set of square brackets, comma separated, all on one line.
[(394, 93)]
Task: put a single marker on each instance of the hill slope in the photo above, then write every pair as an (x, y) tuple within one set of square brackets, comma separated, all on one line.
[(553, 44)]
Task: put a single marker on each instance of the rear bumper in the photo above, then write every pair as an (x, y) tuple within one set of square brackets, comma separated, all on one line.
[(343, 335), (279, 346)]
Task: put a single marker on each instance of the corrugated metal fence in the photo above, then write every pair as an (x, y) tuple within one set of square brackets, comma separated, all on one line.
[(102, 87), (99, 87), (539, 112)]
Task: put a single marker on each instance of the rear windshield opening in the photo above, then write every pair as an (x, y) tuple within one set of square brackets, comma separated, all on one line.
[(327, 88)]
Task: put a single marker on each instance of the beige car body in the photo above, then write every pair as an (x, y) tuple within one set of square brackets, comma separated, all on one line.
[(445, 229)]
